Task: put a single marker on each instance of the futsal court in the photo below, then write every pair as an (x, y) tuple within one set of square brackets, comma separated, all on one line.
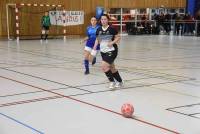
[(44, 89), (49, 83)]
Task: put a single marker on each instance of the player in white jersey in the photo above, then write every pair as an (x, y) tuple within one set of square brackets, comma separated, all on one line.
[(108, 38)]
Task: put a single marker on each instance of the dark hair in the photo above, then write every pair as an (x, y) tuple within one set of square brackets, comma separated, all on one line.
[(93, 17), (106, 15)]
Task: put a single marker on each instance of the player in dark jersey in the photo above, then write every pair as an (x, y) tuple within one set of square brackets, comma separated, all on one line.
[(108, 38), (90, 40), (45, 26)]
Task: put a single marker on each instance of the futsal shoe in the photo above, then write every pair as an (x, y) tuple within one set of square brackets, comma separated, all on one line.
[(87, 72), (119, 84), (112, 85)]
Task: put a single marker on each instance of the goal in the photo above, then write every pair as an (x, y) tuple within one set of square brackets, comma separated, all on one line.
[(24, 21)]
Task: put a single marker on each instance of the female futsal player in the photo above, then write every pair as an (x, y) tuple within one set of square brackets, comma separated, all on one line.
[(90, 40), (108, 38)]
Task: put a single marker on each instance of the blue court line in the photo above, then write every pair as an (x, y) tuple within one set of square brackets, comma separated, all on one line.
[(33, 129)]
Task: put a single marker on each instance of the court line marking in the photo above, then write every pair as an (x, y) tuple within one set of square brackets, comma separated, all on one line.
[(148, 72), (81, 94), (194, 114), (47, 98), (33, 92), (190, 105), (163, 74), (143, 70), (46, 79), (21, 123), (78, 87), (29, 101), (138, 85), (173, 109), (44, 55), (93, 105), (36, 52), (188, 115), (86, 85)]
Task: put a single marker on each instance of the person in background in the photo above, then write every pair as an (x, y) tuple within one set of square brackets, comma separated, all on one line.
[(90, 40), (45, 26)]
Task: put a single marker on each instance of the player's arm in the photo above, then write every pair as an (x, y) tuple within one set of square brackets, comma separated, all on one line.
[(116, 37), (85, 39), (96, 44), (94, 50), (115, 41), (97, 41), (42, 20)]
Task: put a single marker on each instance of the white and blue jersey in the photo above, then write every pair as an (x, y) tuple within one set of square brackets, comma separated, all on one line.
[(105, 36), (91, 33)]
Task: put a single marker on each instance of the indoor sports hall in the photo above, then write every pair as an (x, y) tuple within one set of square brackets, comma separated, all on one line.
[(100, 67)]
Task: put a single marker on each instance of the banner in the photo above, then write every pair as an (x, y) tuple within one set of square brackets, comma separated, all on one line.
[(66, 18)]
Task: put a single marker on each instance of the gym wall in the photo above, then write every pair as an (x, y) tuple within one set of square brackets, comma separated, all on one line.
[(88, 6)]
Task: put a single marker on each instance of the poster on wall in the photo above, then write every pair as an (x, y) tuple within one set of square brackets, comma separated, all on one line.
[(66, 18)]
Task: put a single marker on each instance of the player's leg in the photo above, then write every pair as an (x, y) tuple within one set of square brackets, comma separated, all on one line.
[(42, 33), (106, 69), (46, 32), (94, 57), (87, 52), (116, 76)]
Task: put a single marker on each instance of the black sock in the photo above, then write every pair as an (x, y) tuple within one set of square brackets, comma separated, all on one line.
[(46, 36), (109, 76), (86, 63), (117, 76), (41, 36)]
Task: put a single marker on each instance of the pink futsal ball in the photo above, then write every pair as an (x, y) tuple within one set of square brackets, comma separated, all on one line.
[(127, 110)]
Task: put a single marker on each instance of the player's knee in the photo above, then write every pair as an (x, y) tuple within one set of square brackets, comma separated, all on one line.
[(105, 68), (113, 70), (86, 55)]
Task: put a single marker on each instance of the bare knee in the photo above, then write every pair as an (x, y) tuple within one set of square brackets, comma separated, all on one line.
[(113, 69), (86, 55), (105, 67)]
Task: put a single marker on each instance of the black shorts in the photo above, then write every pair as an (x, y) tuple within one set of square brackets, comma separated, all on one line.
[(109, 57), (45, 27)]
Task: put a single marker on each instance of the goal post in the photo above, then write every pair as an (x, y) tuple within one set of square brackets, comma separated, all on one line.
[(24, 20)]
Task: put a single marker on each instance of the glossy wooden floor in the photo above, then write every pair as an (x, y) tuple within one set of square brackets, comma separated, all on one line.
[(43, 89)]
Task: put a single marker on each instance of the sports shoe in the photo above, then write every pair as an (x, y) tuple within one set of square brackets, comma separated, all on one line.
[(112, 85), (87, 72), (119, 84)]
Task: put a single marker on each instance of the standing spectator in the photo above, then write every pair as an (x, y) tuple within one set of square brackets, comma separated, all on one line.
[(178, 24), (167, 23), (45, 25), (186, 24)]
